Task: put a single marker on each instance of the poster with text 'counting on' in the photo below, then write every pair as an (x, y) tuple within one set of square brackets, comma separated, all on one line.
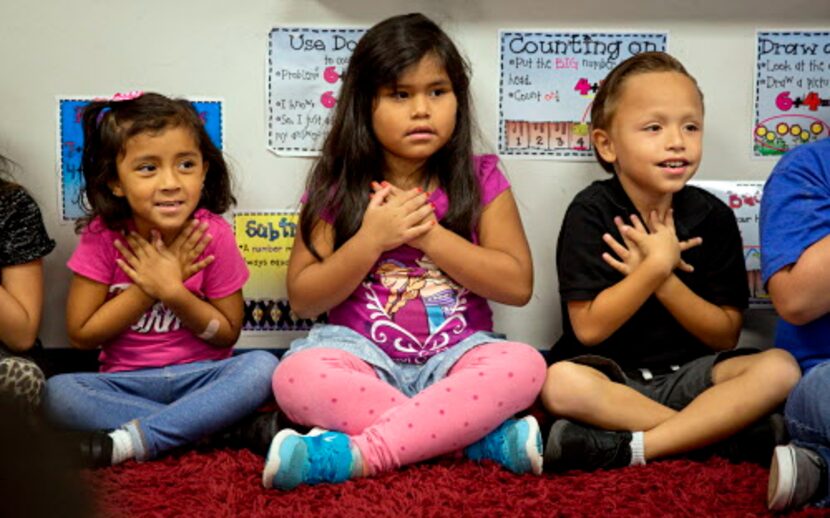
[(305, 67), (265, 240), (792, 90), (548, 81), (71, 146), (744, 198)]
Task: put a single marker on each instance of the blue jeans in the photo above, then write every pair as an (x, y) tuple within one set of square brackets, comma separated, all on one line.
[(808, 417), (165, 407)]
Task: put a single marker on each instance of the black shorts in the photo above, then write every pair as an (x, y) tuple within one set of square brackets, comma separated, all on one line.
[(674, 389)]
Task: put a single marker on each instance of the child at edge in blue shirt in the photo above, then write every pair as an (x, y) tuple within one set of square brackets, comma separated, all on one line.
[(795, 245)]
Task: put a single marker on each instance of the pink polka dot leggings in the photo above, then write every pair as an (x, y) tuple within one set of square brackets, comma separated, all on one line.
[(336, 390)]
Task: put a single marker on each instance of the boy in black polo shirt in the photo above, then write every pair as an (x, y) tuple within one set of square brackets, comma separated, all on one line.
[(648, 365)]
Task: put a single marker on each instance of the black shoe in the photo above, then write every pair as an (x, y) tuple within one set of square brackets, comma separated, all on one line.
[(90, 449), (254, 432), (754, 443), (574, 446)]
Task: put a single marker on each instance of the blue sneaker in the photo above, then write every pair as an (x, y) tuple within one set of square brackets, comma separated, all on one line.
[(315, 458), (516, 445)]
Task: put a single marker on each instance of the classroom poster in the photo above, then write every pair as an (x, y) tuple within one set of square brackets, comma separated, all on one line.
[(71, 146), (305, 67), (265, 240), (792, 90), (548, 81), (744, 198)]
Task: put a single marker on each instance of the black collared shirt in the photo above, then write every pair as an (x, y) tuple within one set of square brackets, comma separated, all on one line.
[(651, 338)]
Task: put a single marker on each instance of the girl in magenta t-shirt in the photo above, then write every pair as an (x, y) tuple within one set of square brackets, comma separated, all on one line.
[(404, 236), (157, 285)]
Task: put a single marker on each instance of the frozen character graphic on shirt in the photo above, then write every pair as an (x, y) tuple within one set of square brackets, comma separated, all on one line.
[(420, 297)]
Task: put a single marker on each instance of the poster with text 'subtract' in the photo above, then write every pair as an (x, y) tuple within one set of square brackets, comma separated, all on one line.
[(792, 90), (548, 81), (305, 67)]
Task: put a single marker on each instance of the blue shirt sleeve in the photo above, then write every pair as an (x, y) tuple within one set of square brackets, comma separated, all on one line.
[(795, 207)]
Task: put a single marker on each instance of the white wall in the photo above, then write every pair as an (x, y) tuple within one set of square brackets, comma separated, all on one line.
[(217, 49)]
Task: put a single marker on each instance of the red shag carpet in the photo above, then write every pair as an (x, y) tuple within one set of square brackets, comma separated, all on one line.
[(227, 483)]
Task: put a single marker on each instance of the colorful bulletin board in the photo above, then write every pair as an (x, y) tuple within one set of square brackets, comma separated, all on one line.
[(265, 240), (304, 71), (71, 146), (792, 90), (548, 81), (744, 198)]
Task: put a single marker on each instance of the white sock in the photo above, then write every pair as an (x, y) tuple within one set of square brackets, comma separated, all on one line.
[(122, 446), (638, 449)]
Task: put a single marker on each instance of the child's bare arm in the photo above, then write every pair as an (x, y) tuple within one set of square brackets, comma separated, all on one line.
[(92, 320), (21, 304), (500, 267), (315, 286), (800, 292), (717, 326), (595, 320)]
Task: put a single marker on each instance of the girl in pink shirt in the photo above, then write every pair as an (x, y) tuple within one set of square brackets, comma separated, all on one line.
[(157, 286), (404, 236)]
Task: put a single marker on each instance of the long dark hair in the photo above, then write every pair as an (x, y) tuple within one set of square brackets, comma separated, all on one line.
[(352, 157), (605, 102), (6, 182), (107, 127)]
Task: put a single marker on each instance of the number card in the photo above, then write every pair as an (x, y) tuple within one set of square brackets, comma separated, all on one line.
[(265, 240), (305, 67), (71, 146), (744, 198), (548, 81), (792, 90)]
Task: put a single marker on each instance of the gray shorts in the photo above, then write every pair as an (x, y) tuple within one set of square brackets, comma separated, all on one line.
[(674, 389), (409, 378)]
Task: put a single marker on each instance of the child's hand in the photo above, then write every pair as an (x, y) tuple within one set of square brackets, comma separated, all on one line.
[(630, 255), (151, 266), (189, 245), (661, 245), (395, 191), (395, 218)]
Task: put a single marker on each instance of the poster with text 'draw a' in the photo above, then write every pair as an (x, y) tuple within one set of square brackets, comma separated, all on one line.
[(305, 67), (792, 90), (548, 82)]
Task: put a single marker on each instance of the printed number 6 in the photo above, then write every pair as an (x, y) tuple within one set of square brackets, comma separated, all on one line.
[(783, 101)]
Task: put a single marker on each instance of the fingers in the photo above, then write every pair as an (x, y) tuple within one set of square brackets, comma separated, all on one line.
[(125, 251), (378, 198), (690, 243), (684, 266), (621, 251), (194, 268), (131, 273), (615, 264), (638, 224)]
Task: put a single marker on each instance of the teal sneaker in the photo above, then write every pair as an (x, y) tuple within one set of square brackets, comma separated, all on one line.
[(315, 458), (516, 445)]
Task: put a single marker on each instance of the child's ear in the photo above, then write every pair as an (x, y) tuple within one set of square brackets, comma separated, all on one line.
[(604, 145), (115, 187)]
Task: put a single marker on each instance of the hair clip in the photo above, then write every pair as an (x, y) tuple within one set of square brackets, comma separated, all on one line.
[(116, 98)]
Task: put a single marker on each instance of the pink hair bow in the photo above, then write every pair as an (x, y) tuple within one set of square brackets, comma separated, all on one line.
[(127, 96), (118, 96)]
